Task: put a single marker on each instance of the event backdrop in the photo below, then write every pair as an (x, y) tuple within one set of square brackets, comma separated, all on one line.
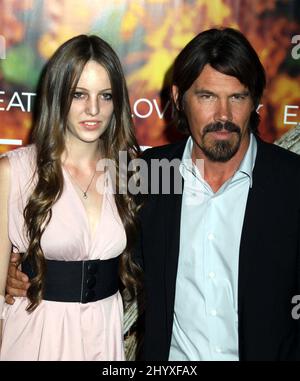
[(147, 35)]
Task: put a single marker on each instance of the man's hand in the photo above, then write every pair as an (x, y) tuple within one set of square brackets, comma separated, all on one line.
[(17, 282)]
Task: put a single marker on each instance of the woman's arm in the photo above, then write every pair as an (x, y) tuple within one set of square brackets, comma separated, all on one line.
[(5, 244)]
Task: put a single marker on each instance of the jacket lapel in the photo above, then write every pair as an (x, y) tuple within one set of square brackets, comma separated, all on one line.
[(172, 215), (251, 231)]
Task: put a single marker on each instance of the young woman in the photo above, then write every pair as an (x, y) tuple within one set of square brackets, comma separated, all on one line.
[(66, 215)]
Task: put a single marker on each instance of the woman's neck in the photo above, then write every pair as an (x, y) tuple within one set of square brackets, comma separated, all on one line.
[(81, 154)]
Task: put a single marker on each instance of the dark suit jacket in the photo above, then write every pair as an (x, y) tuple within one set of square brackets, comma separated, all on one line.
[(269, 266)]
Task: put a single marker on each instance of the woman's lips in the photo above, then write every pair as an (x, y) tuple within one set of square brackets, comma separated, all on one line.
[(90, 124)]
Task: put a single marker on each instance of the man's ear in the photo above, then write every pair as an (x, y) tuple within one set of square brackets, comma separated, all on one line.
[(175, 95)]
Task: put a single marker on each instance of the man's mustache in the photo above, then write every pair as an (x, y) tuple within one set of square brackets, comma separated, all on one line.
[(219, 126)]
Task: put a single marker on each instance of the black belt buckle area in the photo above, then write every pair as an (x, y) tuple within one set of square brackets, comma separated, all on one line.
[(100, 279), (79, 281), (89, 281)]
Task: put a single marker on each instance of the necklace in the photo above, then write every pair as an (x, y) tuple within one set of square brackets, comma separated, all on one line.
[(84, 192)]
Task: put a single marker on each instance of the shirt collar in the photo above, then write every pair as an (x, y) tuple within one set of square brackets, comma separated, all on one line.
[(246, 166), (248, 161)]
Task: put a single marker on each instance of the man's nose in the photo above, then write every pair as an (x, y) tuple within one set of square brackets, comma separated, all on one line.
[(223, 112)]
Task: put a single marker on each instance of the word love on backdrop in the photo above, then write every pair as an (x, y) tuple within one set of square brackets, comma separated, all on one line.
[(147, 35)]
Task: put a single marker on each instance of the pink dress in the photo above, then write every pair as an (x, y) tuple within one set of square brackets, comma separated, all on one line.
[(59, 330)]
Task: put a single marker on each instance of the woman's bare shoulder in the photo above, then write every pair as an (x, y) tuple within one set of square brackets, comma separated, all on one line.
[(4, 167)]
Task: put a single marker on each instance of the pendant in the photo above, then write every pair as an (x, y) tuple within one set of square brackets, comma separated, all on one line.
[(84, 195)]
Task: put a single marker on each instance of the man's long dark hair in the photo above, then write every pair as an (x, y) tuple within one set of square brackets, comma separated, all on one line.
[(227, 51)]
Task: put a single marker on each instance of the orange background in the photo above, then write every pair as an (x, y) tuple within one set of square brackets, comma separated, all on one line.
[(147, 36)]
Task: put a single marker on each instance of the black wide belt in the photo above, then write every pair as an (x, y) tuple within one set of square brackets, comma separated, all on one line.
[(78, 281)]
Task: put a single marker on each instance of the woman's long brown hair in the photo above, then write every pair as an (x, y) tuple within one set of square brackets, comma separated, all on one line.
[(60, 77)]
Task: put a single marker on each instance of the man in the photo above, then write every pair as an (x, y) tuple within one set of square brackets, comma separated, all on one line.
[(221, 258), (220, 274)]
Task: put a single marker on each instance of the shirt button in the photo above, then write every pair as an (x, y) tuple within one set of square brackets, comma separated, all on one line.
[(210, 236), (213, 312), (211, 274), (218, 350)]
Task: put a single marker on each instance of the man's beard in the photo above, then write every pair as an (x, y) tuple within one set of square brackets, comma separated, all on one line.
[(221, 150)]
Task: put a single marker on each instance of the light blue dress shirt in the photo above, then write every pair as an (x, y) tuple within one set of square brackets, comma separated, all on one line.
[(205, 323)]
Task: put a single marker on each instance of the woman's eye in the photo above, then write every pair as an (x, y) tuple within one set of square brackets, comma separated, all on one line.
[(107, 96), (78, 95)]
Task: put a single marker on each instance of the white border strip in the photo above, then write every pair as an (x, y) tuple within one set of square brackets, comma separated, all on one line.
[(13, 142)]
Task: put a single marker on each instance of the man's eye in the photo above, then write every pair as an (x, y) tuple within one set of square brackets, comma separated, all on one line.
[(239, 97), (206, 97), (106, 96)]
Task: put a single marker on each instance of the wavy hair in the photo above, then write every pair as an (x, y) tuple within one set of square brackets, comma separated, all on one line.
[(59, 78)]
